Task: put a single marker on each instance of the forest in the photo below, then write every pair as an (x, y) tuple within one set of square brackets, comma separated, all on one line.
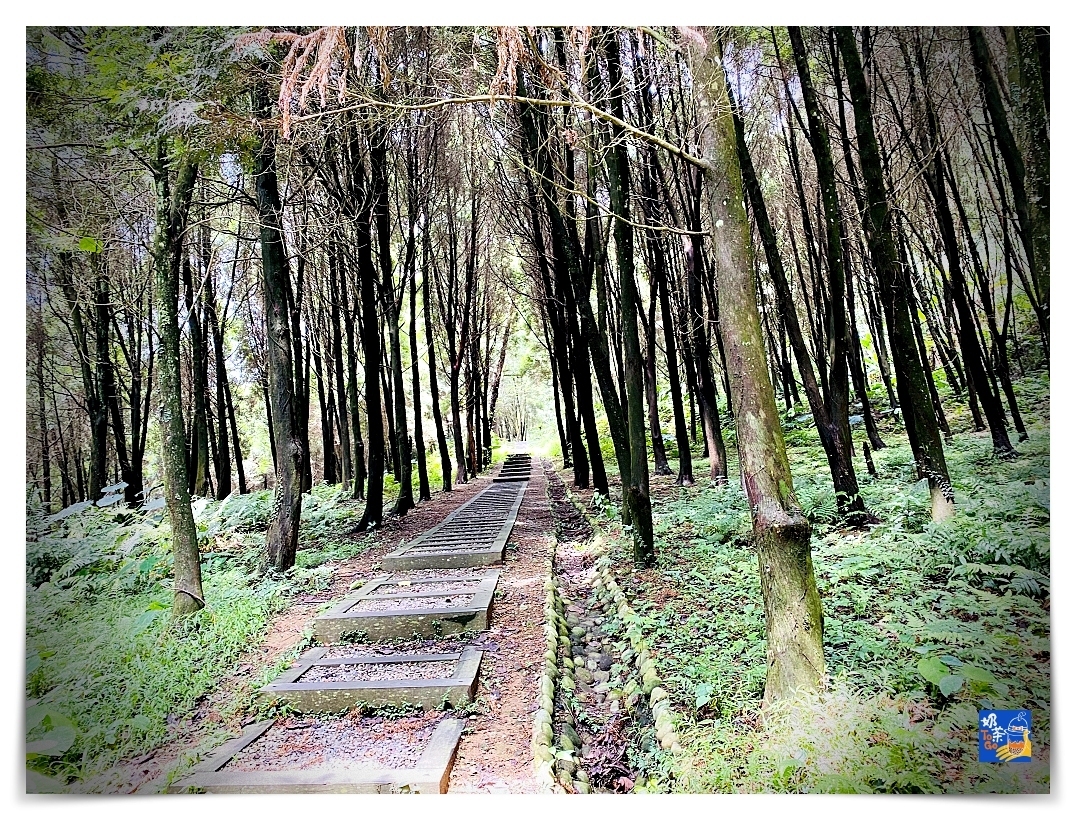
[(716, 358)]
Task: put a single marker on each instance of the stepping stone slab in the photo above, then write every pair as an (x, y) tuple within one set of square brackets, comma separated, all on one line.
[(392, 606), (320, 684), (474, 535), (344, 755)]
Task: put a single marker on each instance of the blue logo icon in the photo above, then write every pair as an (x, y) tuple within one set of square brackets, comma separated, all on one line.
[(1004, 735)]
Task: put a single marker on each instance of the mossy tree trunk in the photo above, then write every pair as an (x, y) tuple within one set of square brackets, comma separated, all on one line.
[(912, 390), (172, 207), (794, 657), (282, 537)]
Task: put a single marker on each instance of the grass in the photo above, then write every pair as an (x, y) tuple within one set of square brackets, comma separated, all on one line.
[(924, 623), (108, 670)]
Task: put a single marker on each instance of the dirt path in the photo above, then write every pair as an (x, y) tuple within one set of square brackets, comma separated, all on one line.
[(216, 717), (494, 753)]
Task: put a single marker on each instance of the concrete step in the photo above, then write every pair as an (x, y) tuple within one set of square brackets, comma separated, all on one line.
[(469, 537), (379, 610), (429, 775), (431, 691)]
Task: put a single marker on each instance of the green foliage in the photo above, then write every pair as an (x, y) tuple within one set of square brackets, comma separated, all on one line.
[(924, 624), (107, 669)]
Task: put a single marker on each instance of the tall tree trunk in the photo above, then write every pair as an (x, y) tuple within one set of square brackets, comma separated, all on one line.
[(661, 460), (536, 155), (172, 207), (840, 456), (912, 391), (969, 342), (224, 459), (637, 489), (685, 475), (199, 455), (705, 386), (282, 537), (794, 657), (240, 472), (107, 390), (1032, 213), (42, 418), (339, 303), (828, 429), (352, 309), (328, 450), (416, 393), (427, 317)]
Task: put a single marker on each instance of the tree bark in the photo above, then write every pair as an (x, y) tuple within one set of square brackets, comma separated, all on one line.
[(794, 655), (172, 207), (282, 537)]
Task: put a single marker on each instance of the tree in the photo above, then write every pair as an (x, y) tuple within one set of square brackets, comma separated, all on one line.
[(794, 657), (282, 538), (919, 419), (173, 206)]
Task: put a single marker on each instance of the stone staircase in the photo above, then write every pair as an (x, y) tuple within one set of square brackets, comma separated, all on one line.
[(436, 586)]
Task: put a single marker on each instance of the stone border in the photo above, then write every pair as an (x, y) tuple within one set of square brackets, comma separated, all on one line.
[(338, 696), (555, 762), (429, 775), (542, 734), (331, 626), (405, 556), (665, 717)]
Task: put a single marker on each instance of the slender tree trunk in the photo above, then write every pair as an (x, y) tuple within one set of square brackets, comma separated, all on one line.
[(172, 208), (370, 335), (919, 419), (1032, 212), (282, 537), (351, 310), (337, 299), (416, 393), (42, 418), (845, 484), (637, 489), (793, 608), (705, 386), (224, 460), (686, 475), (240, 473), (821, 411), (661, 460), (199, 455), (969, 343), (427, 316), (328, 455)]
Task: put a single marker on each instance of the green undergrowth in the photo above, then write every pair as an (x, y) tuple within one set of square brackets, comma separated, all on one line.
[(924, 623), (108, 671)]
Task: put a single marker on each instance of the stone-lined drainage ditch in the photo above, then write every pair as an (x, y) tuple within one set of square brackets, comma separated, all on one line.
[(603, 721)]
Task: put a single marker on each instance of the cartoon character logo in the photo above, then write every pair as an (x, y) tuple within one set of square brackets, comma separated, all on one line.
[(1005, 736)]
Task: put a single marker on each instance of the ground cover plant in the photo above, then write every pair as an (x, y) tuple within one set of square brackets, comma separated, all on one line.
[(924, 624), (108, 669), (776, 299)]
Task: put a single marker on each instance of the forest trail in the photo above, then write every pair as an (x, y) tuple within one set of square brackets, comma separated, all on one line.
[(423, 633)]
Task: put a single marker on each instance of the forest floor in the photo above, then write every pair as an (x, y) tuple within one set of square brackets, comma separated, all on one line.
[(494, 753), (924, 623)]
